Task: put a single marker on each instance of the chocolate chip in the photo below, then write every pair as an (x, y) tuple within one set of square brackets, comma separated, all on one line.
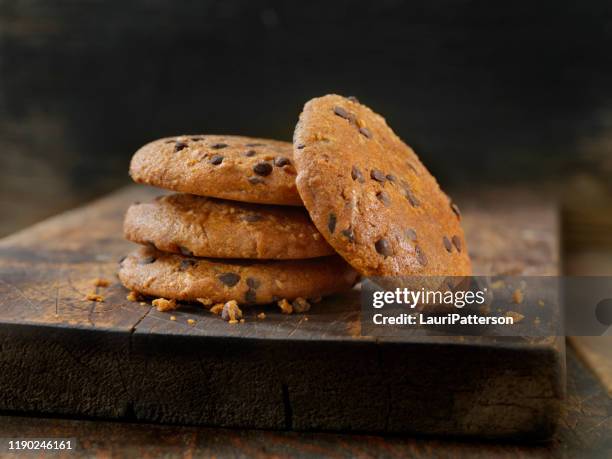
[(301, 146), (229, 279), (411, 234), (455, 209), (262, 168), (391, 177), (356, 174), (255, 180), (185, 251), (366, 132), (447, 244), (250, 153), (218, 146), (420, 255), (253, 144), (353, 99), (300, 305), (216, 160), (251, 218), (348, 233), (185, 264), (331, 223), (178, 146), (253, 283), (383, 247), (342, 113), (457, 243), (146, 260), (250, 296), (384, 198), (377, 175), (196, 139), (411, 197), (281, 161)]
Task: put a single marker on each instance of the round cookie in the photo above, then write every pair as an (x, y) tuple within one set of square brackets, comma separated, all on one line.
[(371, 197), (228, 167), (166, 275), (209, 227)]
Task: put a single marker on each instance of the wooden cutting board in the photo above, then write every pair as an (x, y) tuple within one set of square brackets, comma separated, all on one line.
[(118, 359)]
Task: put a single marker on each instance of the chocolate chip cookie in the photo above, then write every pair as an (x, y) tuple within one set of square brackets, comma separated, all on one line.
[(159, 274), (229, 167), (371, 197), (208, 227)]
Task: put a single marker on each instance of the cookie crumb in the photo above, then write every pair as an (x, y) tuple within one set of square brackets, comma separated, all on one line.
[(163, 305), (191, 322), (517, 296), (99, 282), (516, 316), (300, 305), (94, 297), (173, 318), (142, 303), (242, 321), (498, 284), (133, 296), (231, 312), (285, 306), (306, 318), (217, 308), (541, 303), (206, 302), (261, 315)]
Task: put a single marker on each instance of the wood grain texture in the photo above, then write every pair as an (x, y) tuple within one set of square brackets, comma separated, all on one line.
[(584, 432), (118, 359)]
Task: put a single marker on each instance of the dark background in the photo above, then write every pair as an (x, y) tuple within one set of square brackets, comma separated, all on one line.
[(486, 92)]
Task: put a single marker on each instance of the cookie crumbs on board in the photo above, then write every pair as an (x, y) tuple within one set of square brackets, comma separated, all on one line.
[(217, 308), (94, 297), (206, 302), (163, 305), (516, 316), (285, 306), (231, 312), (517, 296), (300, 305), (173, 318), (191, 322), (99, 282), (133, 296), (261, 315)]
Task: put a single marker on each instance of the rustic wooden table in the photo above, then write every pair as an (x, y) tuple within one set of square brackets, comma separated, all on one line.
[(46, 270)]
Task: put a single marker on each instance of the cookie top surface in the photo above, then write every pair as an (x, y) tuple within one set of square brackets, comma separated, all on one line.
[(371, 197), (208, 227), (221, 166), (166, 275)]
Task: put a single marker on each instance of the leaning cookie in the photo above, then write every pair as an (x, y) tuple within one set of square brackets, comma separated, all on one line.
[(228, 167), (209, 227), (371, 197), (154, 273)]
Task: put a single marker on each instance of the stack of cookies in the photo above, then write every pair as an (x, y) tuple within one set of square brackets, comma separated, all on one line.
[(236, 233), (259, 221)]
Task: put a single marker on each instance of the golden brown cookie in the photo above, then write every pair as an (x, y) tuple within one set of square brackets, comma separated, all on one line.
[(221, 166), (371, 197), (209, 227), (154, 273)]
